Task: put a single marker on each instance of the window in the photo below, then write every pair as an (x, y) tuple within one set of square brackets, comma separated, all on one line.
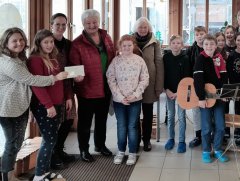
[(60, 6), (155, 10), (104, 7), (16, 12), (194, 14), (77, 27), (157, 13), (220, 11)]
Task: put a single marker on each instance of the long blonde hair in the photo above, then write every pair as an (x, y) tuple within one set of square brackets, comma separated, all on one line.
[(37, 49)]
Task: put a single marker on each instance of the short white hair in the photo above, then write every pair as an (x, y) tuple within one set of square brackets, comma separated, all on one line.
[(140, 21), (90, 13)]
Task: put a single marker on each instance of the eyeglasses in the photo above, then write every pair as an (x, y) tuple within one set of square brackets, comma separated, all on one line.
[(58, 25)]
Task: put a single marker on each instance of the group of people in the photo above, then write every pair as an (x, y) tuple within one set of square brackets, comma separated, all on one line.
[(211, 59), (135, 75)]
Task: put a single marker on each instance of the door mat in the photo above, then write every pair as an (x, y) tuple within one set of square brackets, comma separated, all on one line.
[(102, 169)]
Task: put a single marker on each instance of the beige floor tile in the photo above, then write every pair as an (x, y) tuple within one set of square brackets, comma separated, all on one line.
[(175, 175), (228, 175), (197, 152), (174, 153), (177, 162), (150, 161), (162, 165), (197, 164), (204, 175), (145, 174), (157, 150)]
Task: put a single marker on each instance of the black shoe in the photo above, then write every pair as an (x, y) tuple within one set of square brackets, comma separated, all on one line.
[(104, 151), (66, 158), (56, 162), (147, 146), (195, 142), (86, 156)]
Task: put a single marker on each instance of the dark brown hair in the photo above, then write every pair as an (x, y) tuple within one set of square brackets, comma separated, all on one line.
[(200, 28), (4, 41), (210, 37), (56, 16)]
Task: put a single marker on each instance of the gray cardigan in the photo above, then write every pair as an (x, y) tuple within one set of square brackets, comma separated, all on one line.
[(15, 82)]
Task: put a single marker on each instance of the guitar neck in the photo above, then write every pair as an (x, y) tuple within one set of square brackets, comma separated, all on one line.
[(212, 96)]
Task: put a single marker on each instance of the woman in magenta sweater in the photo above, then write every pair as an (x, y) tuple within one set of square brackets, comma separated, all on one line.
[(47, 102)]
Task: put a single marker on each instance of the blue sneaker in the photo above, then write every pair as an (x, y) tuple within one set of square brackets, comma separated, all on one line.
[(206, 157), (170, 144), (181, 147), (219, 155)]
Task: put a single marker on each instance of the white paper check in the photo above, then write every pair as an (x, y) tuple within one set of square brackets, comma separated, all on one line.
[(74, 71)]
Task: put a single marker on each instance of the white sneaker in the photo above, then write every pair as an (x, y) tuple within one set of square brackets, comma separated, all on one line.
[(118, 159), (132, 157)]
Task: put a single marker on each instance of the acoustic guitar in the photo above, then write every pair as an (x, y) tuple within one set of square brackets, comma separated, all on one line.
[(187, 98)]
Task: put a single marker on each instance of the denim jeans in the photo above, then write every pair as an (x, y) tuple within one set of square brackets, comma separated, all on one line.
[(216, 114), (14, 131), (171, 120), (127, 125), (49, 132)]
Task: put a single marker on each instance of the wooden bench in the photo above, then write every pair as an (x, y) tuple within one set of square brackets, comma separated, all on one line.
[(27, 156)]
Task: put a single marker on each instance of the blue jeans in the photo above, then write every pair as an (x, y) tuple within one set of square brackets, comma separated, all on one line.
[(216, 114), (49, 132), (171, 120), (14, 131), (127, 125)]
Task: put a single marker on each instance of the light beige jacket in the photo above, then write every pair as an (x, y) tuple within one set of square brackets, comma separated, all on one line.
[(152, 56)]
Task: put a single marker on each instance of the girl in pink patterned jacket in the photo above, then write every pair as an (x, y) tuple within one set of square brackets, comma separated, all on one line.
[(127, 78)]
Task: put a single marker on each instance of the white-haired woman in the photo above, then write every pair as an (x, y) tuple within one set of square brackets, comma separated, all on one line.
[(150, 50), (93, 49)]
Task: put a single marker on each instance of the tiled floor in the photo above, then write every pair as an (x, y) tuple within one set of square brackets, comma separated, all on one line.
[(161, 165)]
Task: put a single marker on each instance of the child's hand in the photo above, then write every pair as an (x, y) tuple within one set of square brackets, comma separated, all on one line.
[(174, 95), (61, 76), (125, 101), (131, 98), (51, 112), (202, 104), (170, 94)]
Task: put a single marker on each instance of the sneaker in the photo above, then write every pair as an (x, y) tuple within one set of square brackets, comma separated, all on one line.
[(118, 159), (219, 155), (181, 147), (131, 159), (206, 157), (52, 176), (170, 144), (195, 142)]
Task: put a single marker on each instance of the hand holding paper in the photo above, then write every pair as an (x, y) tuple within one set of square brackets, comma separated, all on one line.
[(75, 71)]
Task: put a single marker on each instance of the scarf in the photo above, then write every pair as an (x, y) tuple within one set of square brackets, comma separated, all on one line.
[(142, 40)]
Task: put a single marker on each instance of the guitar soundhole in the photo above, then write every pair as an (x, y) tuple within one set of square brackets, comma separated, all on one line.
[(188, 93)]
